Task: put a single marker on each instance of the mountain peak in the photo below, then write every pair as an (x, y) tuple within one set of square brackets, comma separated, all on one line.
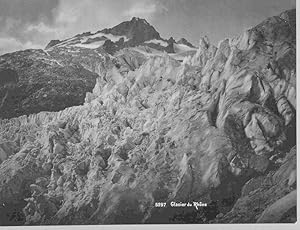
[(137, 19), (171, 40), (138, 29)]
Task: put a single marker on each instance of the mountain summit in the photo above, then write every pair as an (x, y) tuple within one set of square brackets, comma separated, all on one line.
[(131, 33), (137, 30)]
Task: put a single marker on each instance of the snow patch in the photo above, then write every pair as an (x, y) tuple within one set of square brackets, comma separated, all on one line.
[(93, 45), (158, 42), (179, 48), (147, 51), (111, 37), (79, 41)]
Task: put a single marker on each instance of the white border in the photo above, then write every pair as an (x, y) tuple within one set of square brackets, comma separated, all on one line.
[(196, 226)]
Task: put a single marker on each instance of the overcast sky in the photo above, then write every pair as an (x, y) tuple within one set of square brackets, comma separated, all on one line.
[(33, 23)]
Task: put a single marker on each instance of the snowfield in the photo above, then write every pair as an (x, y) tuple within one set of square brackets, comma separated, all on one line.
[(93, 45)]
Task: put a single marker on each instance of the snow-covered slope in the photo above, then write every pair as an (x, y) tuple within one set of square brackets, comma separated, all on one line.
[(90, 41), (182, 51), (180, 48)]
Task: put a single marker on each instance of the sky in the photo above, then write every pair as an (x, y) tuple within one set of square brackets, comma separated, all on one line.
[(33, 23)]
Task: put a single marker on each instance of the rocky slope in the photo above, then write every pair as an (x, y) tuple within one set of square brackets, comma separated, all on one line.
[(217, 128), (43, 83)]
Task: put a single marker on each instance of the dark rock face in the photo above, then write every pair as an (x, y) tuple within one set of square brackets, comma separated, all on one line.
[(8, 77), (110, 47), (170, 47), (217, 128), (137, 30)]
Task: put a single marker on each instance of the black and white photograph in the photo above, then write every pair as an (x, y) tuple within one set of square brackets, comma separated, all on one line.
[(148, 112)]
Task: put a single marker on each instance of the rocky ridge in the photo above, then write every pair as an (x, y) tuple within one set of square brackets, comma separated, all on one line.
[(131, 33), (218, 128)]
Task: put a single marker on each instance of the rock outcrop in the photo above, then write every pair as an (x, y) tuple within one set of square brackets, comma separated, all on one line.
[(216, 128)]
